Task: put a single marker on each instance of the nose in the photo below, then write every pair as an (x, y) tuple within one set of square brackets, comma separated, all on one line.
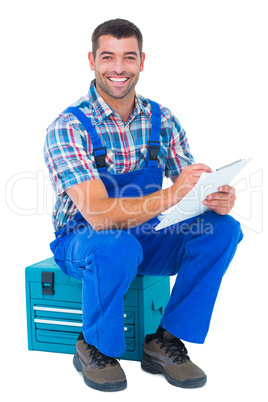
[(119, 66)]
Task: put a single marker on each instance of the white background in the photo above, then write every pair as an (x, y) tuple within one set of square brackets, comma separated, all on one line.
[(206, 61)]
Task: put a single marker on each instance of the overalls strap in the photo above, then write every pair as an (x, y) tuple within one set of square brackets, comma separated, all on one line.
[(99, 151), (154, 140)]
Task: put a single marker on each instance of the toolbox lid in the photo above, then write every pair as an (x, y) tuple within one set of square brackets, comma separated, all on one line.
[(32, 274)]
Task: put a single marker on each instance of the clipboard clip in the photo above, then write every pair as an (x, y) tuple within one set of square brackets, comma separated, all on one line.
[(230, 164)]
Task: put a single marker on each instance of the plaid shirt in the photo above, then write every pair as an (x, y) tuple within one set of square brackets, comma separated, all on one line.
[(68, 148)]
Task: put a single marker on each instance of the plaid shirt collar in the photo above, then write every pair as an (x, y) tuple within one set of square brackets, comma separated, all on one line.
[(103, 110)]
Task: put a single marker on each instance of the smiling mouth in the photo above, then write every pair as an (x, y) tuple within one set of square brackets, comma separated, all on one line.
[(118, 79)]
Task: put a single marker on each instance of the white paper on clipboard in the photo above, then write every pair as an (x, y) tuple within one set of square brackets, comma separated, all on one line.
[(191, 205)]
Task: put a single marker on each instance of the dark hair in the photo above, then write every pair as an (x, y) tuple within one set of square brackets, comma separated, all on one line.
[(119, 29)]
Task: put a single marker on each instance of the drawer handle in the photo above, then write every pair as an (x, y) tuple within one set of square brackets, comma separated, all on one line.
[(128, 315), (69, 324), (57, 310)]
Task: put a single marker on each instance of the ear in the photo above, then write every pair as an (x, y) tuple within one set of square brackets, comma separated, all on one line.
[(142, 61), (91, 61)]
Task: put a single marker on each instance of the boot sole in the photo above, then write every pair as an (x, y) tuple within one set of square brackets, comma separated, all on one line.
[(152, 367), (107, 387)]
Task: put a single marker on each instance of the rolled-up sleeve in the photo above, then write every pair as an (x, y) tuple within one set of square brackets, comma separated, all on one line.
[(68, 156), (179, 154)]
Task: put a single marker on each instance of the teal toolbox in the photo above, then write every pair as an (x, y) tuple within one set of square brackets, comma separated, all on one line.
[(54, 316)]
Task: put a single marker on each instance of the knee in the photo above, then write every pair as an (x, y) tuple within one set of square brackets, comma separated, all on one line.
[(231, 228), (226, 227), (122, 252)]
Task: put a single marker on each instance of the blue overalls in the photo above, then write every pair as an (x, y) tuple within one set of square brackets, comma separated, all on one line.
[(199, 250)]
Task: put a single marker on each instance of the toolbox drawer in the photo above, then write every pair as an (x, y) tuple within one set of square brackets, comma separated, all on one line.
[(64, 338), (42, 311), (129, 317), (130, 346), (129, 331)]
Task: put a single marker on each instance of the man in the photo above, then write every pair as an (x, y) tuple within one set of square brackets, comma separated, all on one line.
[(107, 155)]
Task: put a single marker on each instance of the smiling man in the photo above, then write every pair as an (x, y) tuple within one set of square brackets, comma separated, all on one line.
[(107, 155)]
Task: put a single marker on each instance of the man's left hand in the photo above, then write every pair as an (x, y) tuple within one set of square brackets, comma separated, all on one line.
[(221, 202)]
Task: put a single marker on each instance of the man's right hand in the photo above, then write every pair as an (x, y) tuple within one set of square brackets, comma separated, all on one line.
[(188, 179)]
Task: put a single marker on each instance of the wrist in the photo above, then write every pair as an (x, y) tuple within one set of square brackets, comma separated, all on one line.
[(171, 197), (176, 194)]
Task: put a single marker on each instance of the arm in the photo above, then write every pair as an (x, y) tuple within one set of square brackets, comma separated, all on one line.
[(102, 212)]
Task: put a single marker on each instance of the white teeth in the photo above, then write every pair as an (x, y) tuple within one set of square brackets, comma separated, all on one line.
[(118, 79)]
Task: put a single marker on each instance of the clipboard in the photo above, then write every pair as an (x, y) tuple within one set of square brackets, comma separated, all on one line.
[(208, 183)]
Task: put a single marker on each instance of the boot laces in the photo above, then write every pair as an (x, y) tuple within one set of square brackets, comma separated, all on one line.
[(99, 358), (176, 348)]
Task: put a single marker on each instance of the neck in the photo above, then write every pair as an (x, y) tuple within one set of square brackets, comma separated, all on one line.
[(124, 107)]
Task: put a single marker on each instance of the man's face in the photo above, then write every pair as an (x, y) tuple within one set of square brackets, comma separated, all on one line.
[(117, 65)]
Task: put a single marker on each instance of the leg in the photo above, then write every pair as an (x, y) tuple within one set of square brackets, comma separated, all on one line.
[(200, 252), (206, 260), (106, 261)]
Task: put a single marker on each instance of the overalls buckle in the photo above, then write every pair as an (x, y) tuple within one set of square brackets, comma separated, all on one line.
[(154, 147), (100, 159)]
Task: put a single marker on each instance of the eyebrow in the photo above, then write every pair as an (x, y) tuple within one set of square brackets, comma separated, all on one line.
[(126, 53)]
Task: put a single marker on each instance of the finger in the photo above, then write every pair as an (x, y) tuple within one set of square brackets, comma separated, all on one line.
[(221, 196), (201, 167), (219, 204), (227, 189)]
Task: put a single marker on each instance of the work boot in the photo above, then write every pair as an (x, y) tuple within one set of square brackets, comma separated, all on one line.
[(99, 371), (168, 355)]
